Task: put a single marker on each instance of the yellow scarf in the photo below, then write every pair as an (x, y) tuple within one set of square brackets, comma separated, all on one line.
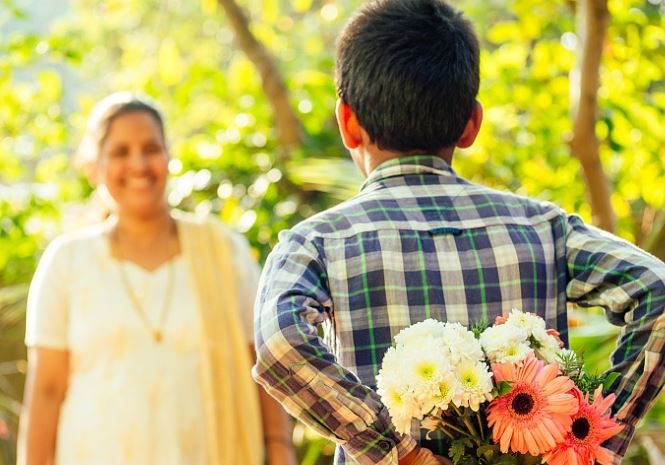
[(235, 435)]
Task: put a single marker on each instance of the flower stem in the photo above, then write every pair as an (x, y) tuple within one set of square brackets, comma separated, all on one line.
[(480, 426), (459, 430), (447, 433), (467, 423)]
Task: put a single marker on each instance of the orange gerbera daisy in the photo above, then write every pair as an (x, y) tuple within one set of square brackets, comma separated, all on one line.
[(591, 427), (537, 413)]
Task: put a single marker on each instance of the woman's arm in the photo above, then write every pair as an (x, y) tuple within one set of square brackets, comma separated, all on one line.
[(45, 389), (276, 428)]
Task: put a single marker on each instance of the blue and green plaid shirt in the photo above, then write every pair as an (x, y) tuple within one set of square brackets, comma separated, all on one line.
[(417, 242)]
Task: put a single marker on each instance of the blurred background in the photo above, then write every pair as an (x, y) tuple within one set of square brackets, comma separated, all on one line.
[(573, 92)]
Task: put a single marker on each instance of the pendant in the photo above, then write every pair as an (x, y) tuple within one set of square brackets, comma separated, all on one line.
[(157, 336)]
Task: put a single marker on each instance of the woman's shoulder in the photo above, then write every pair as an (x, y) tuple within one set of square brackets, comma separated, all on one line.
[(206, 222), (203, 221), (88, 237)]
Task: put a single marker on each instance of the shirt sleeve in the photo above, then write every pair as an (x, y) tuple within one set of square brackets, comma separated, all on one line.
[(247, 279), (299, 370), (629, 284), (47, 315)]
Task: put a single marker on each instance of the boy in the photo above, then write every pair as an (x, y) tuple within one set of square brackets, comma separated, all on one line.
[(419, 241)]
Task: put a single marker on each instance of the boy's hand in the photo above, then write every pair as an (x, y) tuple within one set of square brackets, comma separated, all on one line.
[(422, 456)]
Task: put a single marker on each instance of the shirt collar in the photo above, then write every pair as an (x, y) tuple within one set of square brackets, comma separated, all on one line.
[(410, 164)]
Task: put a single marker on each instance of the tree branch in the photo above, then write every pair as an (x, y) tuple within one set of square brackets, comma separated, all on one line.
[(289, 129), (655, 241), (593, 18)]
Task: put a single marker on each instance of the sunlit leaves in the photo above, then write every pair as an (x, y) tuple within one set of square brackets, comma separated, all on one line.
[(171, 66)]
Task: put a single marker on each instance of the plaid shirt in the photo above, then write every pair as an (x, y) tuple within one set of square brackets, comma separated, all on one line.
[(417, 242)]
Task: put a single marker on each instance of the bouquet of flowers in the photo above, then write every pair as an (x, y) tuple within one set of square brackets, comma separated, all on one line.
[(506, 394)]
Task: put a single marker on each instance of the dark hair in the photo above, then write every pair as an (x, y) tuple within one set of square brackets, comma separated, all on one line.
[(103, 115), (409, 70)]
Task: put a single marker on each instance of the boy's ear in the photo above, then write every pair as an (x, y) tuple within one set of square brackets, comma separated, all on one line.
[(472, 127), (349, 128)]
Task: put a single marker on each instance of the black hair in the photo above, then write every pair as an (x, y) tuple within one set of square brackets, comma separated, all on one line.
[(131, 106), (105, 112), (409, 70)]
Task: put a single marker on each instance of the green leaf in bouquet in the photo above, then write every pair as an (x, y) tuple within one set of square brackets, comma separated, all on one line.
[(468, 460), (506, 459), (610, 378), (588, 383), (487, 451), (477, 327), (458, 449), (571, 365), (504, 387), (534, 343), (528, 459)]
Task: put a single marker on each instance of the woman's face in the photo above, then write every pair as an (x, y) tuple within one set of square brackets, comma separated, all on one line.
[(133, 163)]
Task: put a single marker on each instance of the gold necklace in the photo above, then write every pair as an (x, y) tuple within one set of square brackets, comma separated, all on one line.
[(156, 332)]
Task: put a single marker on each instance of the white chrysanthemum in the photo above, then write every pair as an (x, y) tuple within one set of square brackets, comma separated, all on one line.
[(547, 346), (506, 343), (528, 321), (415, 334), (462, 344), (497, 336), (475, 385), (448, 386), (395, 392), (424, 369), (400, 407), (511, 353), (411, 378)]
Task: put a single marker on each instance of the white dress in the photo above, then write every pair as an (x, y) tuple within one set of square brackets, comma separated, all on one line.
[(129, 400)]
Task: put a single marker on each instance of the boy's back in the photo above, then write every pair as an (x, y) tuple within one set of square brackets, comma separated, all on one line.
[(421, 242)]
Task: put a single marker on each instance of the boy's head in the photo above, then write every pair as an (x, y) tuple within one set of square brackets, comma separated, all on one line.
[(409, 72)]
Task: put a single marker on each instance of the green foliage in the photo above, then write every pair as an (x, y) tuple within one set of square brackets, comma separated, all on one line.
[(503, 387), (458, 449), (573, 366), (477, 327)]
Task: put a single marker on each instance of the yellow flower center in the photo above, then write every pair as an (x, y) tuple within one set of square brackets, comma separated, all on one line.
[(469, 379), (444, 390), (396, 398), (425, 371)]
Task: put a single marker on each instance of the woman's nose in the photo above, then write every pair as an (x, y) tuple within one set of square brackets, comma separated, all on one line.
[(138, 160)]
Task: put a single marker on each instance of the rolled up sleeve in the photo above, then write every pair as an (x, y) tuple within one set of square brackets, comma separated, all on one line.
[(296, 367), (629, 284)]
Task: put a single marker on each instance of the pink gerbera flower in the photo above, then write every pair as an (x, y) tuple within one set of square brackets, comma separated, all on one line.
[(591, 427), (537, 413), (501, 319)]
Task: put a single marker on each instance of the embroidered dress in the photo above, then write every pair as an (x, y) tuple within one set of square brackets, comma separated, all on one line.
[(129, 400), (421, 242)]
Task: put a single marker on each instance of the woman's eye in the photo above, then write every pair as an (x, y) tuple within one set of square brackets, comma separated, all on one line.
[(153, 148), (119, 152)]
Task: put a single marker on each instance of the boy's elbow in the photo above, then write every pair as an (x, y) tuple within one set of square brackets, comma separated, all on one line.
[(264, 359)]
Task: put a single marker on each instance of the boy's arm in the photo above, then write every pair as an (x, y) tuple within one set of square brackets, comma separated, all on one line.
[(298, 369), (629, 284)]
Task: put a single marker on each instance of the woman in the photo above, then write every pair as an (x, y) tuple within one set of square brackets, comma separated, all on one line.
[(139, 329)]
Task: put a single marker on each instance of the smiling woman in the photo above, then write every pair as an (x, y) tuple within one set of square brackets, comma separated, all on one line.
[(125, 154), (134, 163), (139, 328)]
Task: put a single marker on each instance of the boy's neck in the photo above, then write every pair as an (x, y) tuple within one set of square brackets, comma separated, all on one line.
[(369, 158)]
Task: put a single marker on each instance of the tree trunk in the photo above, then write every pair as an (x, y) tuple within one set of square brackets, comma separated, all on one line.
[(655, 241), (289, 129), (592, 20)]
